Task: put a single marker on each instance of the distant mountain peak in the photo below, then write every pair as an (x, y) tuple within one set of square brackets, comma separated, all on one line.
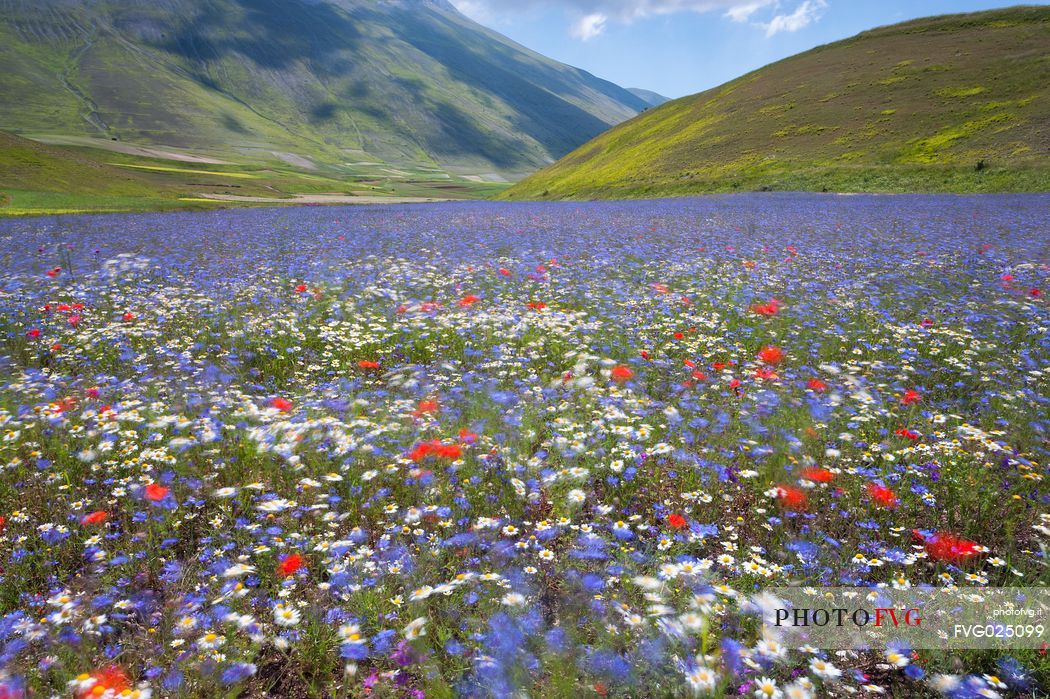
[(653, 99)]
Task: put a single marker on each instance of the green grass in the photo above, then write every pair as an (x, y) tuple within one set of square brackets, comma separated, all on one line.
[(37, 179), (35, 203), (945, 104)]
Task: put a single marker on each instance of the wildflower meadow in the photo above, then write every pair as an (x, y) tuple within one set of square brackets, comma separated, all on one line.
[(515, 450)]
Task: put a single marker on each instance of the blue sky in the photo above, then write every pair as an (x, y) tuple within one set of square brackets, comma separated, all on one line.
[(678, 47)]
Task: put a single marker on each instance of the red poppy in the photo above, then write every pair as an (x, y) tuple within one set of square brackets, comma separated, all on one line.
[(504, 271), (907, 434), (34, 333), (792, 498), (109, 681), (368, 364), (282, 404), (816, 385), (883, 496), (771, 354), (644, 354), (699, 375), (766, 309), (156, 492), (911, 396), (301, 289), (92, 392), (426, 407), (817, 475), (96, 517), (436, 449), (676, 520), (1035, 293), (469, 300), (679, 335), (1007, 277), (536, 305), (467, 437), (73, 320), (54, 272), (289, 565), (128, 317), (948, 548), (621, 373), (766, 373)]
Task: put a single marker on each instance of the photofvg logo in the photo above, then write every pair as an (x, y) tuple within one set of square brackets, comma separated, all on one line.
[(843, 616), (840, 618)]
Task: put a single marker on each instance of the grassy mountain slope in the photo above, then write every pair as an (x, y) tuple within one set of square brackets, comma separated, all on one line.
[(383, 87), (954, 103)]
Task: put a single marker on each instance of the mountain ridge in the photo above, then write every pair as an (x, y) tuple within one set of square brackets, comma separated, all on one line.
[(339, 82)]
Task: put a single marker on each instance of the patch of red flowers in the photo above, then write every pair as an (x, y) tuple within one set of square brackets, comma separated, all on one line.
[(289, 565), (907, 434), (792, 498), (771, 354), (621, 374), (881, 495), (110, 679), (96, 517), (676, 520), (426, 407), (282, 404), (817, 475), (469, 300), (435, 449), (766, 374), (948, 548), (766, 309)]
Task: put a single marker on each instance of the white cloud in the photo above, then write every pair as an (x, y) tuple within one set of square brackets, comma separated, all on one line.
[(805, 14), (591, 17), (742, 13), (589, 26)]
